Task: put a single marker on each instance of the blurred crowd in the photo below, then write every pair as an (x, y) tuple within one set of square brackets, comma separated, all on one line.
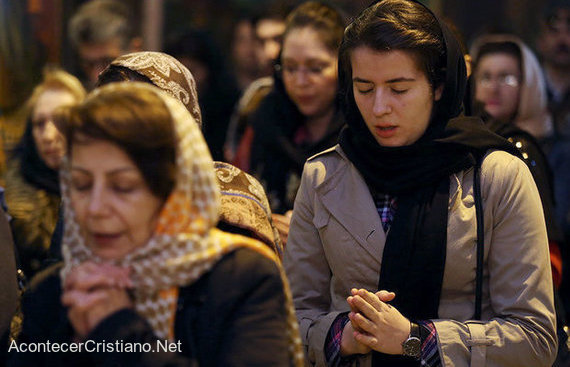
[(262, 109)]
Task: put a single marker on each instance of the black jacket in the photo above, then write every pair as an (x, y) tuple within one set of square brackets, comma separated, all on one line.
[(233, 316), (537, 163)]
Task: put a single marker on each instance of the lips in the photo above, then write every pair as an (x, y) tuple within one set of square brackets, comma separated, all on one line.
[(304, 99), (493, 102), (105, 239), (51, 152), (385, 130)]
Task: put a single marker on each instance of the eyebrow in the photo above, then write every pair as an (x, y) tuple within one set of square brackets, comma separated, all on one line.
[(395, 80), (309, 60), (111, 173)]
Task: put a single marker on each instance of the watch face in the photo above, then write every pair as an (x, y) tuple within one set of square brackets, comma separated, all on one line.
[(412, 347)]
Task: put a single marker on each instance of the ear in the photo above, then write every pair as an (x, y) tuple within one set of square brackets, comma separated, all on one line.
[(438, 92)]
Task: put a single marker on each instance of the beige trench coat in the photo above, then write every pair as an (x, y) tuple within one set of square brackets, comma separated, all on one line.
[(336, 242)]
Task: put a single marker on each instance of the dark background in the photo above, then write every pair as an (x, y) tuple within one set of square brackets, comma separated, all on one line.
[(33, 32)]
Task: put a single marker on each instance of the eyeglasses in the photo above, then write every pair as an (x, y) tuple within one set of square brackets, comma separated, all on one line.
[(290, 70), (504, 80)]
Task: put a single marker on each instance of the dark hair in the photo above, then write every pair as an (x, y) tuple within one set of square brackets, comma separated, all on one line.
[(505, 47), (276, 11), (397, 25), (137, 121), (116, 73), (324, 19)]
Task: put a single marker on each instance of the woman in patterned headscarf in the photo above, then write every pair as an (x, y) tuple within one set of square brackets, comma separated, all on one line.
[(143, 262), (244, 208)]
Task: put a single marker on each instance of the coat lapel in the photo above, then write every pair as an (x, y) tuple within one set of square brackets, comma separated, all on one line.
[(346, 196)]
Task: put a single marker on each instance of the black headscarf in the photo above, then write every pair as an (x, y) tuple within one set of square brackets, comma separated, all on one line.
[(32, 167), (418, 175)]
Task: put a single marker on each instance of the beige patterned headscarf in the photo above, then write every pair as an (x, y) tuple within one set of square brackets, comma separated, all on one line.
[(244, 205), (168, 74), (243, 202), (185, 244)]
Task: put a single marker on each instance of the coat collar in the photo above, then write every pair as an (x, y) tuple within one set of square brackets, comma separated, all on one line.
[(360, 218)]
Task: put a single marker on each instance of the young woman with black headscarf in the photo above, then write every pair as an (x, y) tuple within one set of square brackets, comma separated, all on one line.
[(392, 210)]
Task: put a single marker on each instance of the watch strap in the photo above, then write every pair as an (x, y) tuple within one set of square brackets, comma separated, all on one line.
[(412, 345)]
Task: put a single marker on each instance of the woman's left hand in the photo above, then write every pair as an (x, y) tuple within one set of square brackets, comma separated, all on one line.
[(93, 292), (378, 324)]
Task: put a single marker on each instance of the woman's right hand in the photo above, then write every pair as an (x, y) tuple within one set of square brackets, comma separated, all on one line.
[(349, 345), (93, 292)]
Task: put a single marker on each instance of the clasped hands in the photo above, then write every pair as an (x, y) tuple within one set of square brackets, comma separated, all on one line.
[(374, 324), (92, 292)]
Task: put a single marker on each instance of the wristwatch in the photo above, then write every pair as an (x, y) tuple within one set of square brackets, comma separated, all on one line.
[(413, 345)]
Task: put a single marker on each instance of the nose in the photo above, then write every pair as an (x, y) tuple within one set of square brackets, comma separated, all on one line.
[(382, 102), (271, 49), (493, 88), (50, 132), (301, 76), (97, 206)]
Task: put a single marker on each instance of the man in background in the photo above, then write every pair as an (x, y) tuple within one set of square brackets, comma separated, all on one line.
[(100, 31), (269, 28), (554, 47)]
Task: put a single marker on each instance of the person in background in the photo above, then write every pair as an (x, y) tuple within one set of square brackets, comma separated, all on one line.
[(553, 45), (507, 78), (382, 249), (269, 27), (217, 88), (510, 86), (100, 31), (142, 259), (300, 115), (32, 185), (510, 95), (246, 67)]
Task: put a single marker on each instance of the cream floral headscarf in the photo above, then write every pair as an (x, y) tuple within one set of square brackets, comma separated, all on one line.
[(167, 73), (243, 202), (185, 244)]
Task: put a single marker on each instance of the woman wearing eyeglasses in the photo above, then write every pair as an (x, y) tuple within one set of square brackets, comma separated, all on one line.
[(299, 117), (510, 94), (510, 85)]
